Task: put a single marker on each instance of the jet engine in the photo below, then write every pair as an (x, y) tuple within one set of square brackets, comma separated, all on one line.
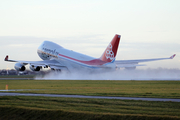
[(35, 68), (19, 67)]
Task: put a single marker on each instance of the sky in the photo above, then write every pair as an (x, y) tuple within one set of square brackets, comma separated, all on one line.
[(148, 29)]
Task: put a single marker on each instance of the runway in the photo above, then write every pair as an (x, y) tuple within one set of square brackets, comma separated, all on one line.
[(92, 97)]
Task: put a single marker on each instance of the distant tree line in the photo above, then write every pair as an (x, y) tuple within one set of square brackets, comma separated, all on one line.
[(27, 72)]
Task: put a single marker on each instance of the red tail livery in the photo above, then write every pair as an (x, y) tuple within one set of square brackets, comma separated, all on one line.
[(111, 50)]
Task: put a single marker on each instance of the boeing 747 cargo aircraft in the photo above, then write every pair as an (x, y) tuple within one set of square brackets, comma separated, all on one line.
[(58, 58)]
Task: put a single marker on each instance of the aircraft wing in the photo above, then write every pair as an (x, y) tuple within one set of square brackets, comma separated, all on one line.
[(134, 63), (51, 63)]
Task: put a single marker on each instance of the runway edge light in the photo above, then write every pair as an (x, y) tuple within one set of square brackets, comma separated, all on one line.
[(6, 87)]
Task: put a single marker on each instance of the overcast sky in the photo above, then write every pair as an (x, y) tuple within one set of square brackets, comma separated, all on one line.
[(149, 29)]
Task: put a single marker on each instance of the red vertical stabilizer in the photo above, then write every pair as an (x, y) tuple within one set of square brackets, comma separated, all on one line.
[(111, 50)]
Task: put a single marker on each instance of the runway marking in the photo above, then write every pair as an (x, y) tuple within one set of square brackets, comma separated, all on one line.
[(92, 97)]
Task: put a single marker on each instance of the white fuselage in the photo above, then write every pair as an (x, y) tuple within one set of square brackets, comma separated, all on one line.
[(49, 50)]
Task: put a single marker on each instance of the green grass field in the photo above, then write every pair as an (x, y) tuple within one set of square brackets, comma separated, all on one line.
[(20, 107), (76, 108), (157, 89)]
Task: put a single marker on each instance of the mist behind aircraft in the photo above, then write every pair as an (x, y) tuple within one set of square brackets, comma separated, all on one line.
[(138, 74)]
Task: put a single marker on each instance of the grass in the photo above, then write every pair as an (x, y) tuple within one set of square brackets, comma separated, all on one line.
[(154, 89), (20, 107)]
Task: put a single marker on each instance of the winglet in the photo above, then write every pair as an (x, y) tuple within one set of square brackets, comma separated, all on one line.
[(6, 58), (172, 56)]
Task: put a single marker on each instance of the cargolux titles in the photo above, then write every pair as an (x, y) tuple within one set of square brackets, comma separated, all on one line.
[(54, 52)]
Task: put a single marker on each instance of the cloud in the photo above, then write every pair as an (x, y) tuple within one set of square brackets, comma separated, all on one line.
[(21, 45)]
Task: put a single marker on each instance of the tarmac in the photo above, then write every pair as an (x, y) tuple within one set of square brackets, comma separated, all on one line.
[(91, 97)]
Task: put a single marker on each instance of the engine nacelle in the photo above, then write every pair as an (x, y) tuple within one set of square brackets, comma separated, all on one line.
[(35, 68), (19, 67)]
